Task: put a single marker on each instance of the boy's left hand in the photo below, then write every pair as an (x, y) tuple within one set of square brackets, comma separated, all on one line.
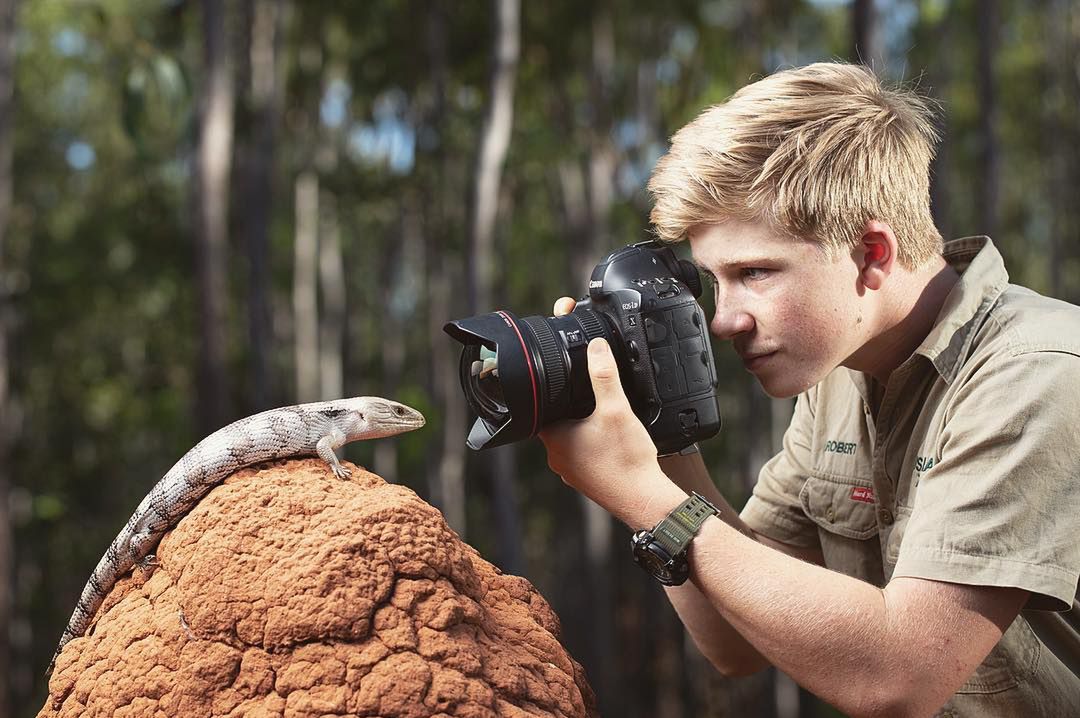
[(608, 456)]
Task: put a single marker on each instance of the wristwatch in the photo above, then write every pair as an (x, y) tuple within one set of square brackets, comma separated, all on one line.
[(662, 551)]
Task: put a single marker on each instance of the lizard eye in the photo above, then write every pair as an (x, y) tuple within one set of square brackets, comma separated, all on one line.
[(399, 411)]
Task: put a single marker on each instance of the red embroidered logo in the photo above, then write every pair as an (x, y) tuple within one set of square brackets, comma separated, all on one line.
[(862, 493)]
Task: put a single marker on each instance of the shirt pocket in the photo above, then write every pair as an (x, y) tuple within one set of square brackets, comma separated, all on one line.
[(828, 502), (847, 527)]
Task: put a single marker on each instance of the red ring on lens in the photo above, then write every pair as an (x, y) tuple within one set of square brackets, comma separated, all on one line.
[(532, 371)]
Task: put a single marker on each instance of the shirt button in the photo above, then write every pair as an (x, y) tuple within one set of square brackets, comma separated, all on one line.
[(886, 516), (830, 515)]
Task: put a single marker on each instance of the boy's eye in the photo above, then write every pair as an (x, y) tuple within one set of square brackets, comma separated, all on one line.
[(755, 272)]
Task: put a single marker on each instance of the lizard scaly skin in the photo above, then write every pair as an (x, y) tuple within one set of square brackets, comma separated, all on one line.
[(304, 430)]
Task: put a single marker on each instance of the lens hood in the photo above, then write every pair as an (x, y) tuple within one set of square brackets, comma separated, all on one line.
[(515, 370)]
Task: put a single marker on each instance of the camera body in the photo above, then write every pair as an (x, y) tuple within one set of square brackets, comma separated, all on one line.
[(668, 372), (522, 374)]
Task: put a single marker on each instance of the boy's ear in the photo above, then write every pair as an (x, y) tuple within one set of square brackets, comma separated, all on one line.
[(875, 254)]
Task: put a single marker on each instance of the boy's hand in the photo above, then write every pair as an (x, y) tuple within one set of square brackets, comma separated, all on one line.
[(563, 306), (608, 456)]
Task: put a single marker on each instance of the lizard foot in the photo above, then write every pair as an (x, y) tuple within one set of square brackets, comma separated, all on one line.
[(148, 564), (341, 472)]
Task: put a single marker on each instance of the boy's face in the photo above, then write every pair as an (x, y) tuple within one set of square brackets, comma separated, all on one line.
[(792, 313)]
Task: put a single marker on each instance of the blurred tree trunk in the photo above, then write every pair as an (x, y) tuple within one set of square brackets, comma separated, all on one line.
[(7, 422), (448, 461), (263, 23), (599, 525), (865, 34), (933, 28), (491, 158), (331, 320), (1060, 138), (305, 298), (212, 186), (986, 41), (402, 263), (573, 195)]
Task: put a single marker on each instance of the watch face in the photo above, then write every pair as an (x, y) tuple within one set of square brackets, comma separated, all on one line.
[(655, 560), (653, 564)]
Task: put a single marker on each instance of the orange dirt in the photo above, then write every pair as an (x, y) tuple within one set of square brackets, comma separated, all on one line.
[(289, 592)]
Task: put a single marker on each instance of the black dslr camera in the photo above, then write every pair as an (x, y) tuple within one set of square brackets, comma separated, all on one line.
[(520, 375)]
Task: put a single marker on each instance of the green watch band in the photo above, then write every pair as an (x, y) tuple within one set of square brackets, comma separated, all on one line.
[(675, 532)]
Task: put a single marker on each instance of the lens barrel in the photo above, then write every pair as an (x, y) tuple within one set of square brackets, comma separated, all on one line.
[(536, 365)]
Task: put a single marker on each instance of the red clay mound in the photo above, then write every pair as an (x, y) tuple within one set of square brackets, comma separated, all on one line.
[(289, 592)]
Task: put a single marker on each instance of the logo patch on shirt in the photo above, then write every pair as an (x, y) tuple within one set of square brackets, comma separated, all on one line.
[(924, 463), (840, 447), (862, 493)]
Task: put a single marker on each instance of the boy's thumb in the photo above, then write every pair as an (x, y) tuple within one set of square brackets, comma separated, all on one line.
[(604, 372)]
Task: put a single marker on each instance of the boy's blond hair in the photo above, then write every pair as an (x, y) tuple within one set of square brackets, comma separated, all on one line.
[(816, 151)]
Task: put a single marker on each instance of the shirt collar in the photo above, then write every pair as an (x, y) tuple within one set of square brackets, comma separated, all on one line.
[(982, 280)]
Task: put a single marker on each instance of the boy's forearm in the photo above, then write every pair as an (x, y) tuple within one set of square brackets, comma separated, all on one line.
[(690, 474), (714, 636)]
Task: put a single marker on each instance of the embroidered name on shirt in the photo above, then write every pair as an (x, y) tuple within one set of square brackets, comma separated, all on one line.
[(862, 493), (840, 447), (924, 463)]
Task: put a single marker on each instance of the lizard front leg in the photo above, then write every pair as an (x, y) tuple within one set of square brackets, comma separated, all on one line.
[(325, 449)]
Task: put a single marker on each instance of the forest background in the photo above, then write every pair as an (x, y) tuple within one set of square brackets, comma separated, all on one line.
[(208, 208)]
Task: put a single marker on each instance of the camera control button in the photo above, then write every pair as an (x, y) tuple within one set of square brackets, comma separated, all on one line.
[(686, 323), (688, 421), (669, 380), (575, 338), (633, 350), (667, 291), (656, 331), (695, 362)]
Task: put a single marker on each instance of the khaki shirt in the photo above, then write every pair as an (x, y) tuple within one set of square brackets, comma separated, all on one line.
[(969, 473)]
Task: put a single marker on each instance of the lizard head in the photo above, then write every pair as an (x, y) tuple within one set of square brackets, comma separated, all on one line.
[(380, 417)]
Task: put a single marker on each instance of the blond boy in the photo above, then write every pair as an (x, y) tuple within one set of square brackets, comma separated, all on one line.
[(913, 548)]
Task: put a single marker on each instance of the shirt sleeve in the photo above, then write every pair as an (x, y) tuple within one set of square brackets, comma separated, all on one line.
[(774, 509), (1001, 506)]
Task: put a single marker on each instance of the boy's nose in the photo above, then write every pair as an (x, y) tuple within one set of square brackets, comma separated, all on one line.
[(727, 323)]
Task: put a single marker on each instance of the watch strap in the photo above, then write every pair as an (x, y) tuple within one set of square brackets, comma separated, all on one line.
[(682, 524)]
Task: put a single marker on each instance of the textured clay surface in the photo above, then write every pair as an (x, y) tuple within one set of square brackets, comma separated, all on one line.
[(289, 592)]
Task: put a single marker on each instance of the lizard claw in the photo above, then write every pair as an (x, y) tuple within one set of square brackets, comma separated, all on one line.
[(341, 472), (148, 564)]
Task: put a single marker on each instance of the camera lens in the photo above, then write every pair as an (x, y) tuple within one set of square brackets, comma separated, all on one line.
[(520, 375), (480, 377)]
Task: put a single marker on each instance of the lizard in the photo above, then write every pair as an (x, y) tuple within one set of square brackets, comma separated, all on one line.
[(317, 429)]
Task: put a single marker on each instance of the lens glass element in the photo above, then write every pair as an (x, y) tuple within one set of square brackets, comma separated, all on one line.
[(483, 381)]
